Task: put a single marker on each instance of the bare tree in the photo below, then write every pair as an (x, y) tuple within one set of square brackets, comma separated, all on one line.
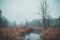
[(44, 13), (48, 21)]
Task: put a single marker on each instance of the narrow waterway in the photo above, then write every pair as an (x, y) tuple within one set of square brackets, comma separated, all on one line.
[(32, 36)]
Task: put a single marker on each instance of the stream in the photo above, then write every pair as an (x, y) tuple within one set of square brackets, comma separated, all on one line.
[(32, 36)]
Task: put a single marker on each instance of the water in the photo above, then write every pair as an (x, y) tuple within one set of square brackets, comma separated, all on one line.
[(32, 36)]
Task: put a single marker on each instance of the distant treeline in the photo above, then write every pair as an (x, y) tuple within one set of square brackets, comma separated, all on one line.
[(49, 22)]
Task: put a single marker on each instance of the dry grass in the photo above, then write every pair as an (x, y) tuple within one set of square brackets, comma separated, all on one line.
[(51, 34), (14, 33)]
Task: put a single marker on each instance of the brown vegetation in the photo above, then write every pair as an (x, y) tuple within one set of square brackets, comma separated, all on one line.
[(51, 34), (14, 33)]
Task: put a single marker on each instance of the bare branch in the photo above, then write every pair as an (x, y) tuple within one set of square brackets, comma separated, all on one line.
[(39, 14)]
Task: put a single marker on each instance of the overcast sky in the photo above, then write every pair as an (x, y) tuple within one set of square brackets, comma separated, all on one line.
[(21, 10)]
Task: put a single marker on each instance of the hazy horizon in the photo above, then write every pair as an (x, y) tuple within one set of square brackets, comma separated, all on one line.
[(21, 10)]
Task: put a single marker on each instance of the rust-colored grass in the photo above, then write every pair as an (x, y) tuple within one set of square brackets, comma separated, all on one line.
[(51, 34), (14, 33)]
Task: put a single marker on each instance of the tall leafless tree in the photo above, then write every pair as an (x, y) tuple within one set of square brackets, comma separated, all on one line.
[(44, 13)]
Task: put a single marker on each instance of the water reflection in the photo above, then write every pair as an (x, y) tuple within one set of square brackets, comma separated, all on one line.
[(32, 36)]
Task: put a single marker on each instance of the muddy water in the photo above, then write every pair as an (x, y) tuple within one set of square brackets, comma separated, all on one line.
[(32, 36)]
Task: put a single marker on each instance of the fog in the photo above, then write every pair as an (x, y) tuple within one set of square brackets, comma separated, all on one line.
[(21, 10)]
